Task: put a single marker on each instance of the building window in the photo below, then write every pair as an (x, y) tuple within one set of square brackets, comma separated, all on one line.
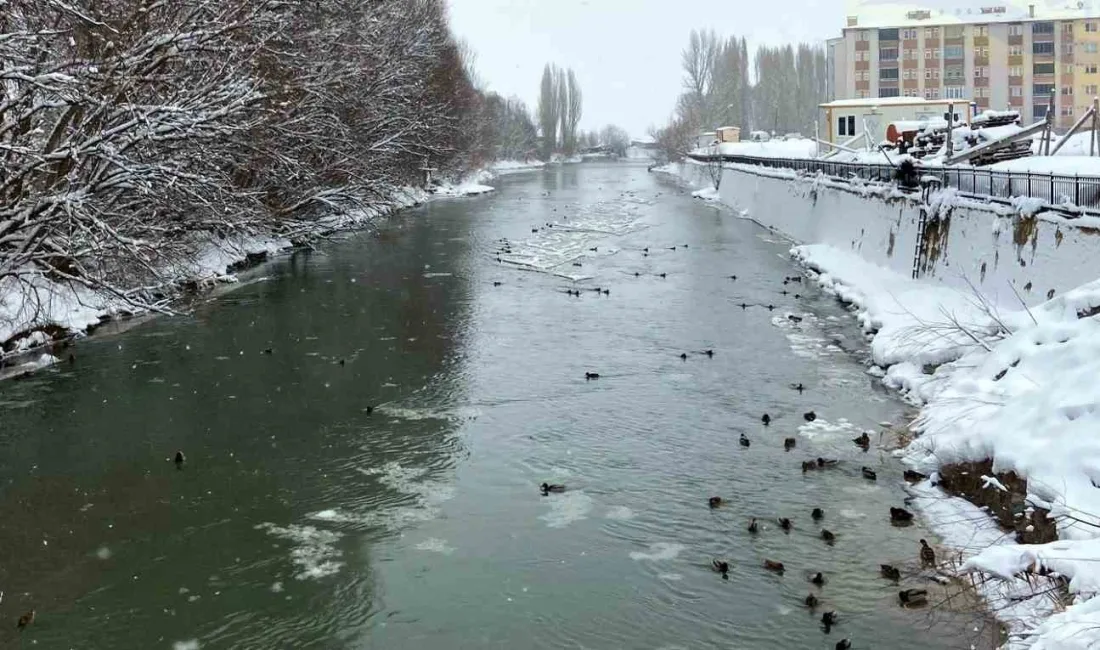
[(887, 34), (1090, 28), (1090, 68), (1090, 89), (888, 92), (1016, 91), (888, 74), (955, 72), (852, 124), (1067, 90), (1016, 71), (905, 74), (1039, 111), (953, 52), (1067, 68), (888, 54), (1043, 68), (1090, 48), (1015, 50), (981, 52), (981, 71), (1041, 90), (935, 73), (1043, 48), (981, 30), (864, 35), (1067, 48), (1042, 28), (841, 126), (954, 92), (1067, 110), (927, 73), (928, 54), (1016, 30), (1067, 28), (910, 35)]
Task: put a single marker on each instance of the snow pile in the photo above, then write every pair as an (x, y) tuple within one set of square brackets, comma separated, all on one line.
[(1077, 145), (37, 302), (464, 188), (707, 194), (793, 148), (1012, 386)]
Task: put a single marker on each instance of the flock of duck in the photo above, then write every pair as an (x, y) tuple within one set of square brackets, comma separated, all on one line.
[(909, 597)]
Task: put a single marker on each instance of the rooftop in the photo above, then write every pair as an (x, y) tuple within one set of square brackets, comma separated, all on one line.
[(889, 101), (863, 14)]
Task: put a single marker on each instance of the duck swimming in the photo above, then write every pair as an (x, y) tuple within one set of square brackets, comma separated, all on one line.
[(179, 459), (683, 356), (828, 536), (828, 619), (913, 477), (709, 353), (869, 474), (811, 601), (789, 443), (767, 419), (752, 526), (843, 644), (913, 597), (808, 466), (810, 416), (863, 440), (818, 579), (721, 566), (900, 514), (776, 567), (547, 488), (591, 375), (784, 523), (818, 514), (826, 462), (890, 572), (25, 620), (714, 502), (744, 441)]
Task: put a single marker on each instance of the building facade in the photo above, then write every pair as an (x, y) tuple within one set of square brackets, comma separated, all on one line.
[(1001, 56)]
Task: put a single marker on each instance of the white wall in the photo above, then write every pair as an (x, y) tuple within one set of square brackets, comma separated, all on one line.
[(1055, 255)]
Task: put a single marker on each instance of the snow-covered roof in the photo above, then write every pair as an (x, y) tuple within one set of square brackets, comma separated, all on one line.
[(892, 101), (723, 128), (902, 13)]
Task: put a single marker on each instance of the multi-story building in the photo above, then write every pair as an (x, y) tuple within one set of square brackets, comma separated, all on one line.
[(999, 55)]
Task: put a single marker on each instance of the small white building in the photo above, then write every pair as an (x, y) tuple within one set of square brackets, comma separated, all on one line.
[(847, 118)]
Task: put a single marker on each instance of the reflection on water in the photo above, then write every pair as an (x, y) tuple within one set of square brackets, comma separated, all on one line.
[(372, 481)]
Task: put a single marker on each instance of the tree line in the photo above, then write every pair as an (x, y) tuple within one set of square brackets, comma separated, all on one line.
[(128, 125), (777, 89)]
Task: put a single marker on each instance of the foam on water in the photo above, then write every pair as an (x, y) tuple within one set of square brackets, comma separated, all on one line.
[(567, 508), (620, 513), (659, 551), (435, 545), (852, 514), (460, 414), (822, 429), (189, 644), (671, 577), (314, 551)]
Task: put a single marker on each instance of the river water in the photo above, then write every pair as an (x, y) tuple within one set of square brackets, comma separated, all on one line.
[(301, 520)]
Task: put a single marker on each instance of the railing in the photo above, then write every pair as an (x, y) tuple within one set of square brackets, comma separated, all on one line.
[(1055, 189)]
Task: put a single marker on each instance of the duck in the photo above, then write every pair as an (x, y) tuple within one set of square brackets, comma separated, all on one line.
[(927, 555), (794, 319), (826, 462), (25, 620), (843, 644), (683, 356), (733, 277), (497, 283), (709, 353), (744, 306), (785, 292), (767, 419), (343, 362), (890, 572), (607, 292), (776, 567), (817, 514), (789, 444), (714, 502), (721, 566), (828, 536), (808, 465), (179, 459), (811, 601), (594, 249), (771, 307), (547, 488), (900, 514), (809, 416), (663, 275), (637, 275), (868, 474), (828, 619), (265, 351), (576, 264), (671, 248), (784, 523), (744, 441), (591, 375), (818, 579), (799, 387), (369, 410), (863, 440), (913, 476), (646, 249), (753, 527), (913, 597)]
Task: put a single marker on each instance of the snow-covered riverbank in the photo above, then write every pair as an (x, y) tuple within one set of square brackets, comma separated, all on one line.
[(37, 311), (1014, 386)]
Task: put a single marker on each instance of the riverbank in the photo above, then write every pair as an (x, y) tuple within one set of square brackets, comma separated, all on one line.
[(40, 315), (1008, 391)]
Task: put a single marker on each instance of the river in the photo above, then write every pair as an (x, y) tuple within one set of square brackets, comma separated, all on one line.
[(372, 482)]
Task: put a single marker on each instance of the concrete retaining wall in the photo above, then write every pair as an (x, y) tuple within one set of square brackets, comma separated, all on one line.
[(993, 247)]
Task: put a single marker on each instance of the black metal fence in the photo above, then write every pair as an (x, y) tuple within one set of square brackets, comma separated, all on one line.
[(1058, 190)]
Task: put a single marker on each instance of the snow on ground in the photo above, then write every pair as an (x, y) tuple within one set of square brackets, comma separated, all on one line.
[(800, 148), (1077, 145), (1014, 386), (707, 194), (464, 188), (1060, 164)]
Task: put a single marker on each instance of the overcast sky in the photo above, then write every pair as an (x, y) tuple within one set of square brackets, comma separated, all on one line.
[(626, 53)]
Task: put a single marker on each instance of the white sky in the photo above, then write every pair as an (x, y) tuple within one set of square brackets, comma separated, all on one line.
[(626, 53)]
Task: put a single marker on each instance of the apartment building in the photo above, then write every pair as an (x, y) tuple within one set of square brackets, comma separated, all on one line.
[(1000, 56)]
